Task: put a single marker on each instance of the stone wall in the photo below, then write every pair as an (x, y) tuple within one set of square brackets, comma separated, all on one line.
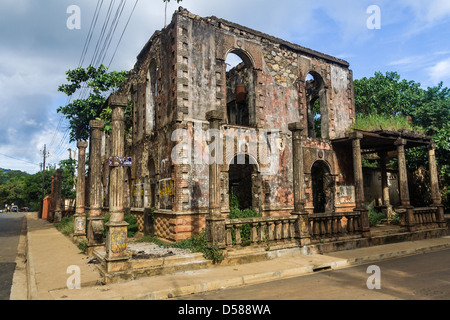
[(180, 75)]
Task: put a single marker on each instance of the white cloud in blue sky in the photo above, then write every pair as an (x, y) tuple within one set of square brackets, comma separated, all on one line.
[(36, 48)]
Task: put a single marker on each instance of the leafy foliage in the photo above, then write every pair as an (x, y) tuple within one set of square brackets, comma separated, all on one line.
[(237, 213), (25, 190), (385, 95), (101, 84)]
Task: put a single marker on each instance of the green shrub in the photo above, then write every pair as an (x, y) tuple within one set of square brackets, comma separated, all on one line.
[(237, 213), (65, 226), (132, 227), (375, 217), (396, 220), (83, 245)]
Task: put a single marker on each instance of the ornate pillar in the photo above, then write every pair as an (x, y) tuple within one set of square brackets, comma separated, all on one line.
[(95, 219), (359, 183), (434, 181), (302, 223), (58, 197), (116, 240), (80, 215), (403, 184), (215, 223)]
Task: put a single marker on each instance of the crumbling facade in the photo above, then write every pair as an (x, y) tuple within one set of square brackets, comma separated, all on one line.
[(273, 131)]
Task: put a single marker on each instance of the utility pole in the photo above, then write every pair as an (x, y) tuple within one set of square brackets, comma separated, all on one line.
[(43, 180)]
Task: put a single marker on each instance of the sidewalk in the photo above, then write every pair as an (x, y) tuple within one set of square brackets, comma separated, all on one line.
[(49, 254)]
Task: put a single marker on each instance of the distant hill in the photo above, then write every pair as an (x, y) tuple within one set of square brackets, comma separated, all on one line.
[(9, 173)]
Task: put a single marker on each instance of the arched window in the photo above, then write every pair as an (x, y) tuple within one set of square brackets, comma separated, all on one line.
[(316, 106), (151, 96), (240, 89)]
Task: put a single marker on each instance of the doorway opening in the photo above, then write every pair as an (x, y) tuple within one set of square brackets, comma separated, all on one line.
[(243, 177), (322, 188)]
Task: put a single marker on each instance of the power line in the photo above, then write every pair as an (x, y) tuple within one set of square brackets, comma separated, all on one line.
[(19, 159), (104, 41), (91, 31), (126, 25)]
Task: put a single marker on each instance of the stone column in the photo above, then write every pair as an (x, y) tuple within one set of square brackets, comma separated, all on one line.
[(80, 215), (387, 208), (116, 239), (215, 223), (302, 223), (359, 184), (434, 181), (95, 219), (58, 197), (403, 185)]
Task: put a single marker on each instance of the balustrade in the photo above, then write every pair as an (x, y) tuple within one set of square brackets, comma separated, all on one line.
[(259, 230), (332, 225)]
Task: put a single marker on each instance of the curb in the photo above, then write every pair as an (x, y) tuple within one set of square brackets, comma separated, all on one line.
[(280, 274), (19, 287), (396, 254)]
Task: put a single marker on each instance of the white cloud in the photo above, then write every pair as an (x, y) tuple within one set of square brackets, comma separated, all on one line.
[(440, 71)]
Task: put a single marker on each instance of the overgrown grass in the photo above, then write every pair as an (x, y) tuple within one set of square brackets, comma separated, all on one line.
[(374, 122), (65, 226)]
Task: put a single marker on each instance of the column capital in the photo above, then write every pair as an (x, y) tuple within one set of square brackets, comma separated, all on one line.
[(214, 115), (432, 146), (96, 124), (116, 100), (296, 126), (356, 135), (82, 144), (400, 142)]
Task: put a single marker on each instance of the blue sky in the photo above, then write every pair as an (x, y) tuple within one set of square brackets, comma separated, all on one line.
[(36, 48)]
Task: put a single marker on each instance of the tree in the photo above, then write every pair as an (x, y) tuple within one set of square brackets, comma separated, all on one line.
[(67, 179), (101, 84), (428, 108)]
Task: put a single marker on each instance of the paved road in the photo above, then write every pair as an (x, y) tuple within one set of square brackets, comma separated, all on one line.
[(10, 227), (419, 277)]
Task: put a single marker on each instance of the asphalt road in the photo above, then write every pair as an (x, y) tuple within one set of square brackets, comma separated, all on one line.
[(418, 277), (10, 227)]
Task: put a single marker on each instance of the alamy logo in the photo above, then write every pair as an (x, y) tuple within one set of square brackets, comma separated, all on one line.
[(74, 281), (374, 281), (374, 21), (74, 20)]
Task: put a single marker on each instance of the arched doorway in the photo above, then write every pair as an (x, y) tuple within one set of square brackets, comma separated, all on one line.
[(322, 188), (244, 182)]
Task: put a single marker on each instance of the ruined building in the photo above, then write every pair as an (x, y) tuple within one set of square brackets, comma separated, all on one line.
[(278, 123)]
